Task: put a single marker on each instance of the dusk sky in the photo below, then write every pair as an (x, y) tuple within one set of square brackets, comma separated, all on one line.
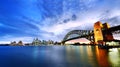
[(53, 19)]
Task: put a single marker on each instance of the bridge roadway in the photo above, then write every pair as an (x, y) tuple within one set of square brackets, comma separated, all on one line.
[(114, 30)]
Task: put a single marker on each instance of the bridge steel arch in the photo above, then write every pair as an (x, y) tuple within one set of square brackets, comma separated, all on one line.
[(88, 34), (102, 33)]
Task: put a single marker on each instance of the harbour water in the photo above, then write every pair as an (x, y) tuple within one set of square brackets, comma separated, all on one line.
[(58, 56)]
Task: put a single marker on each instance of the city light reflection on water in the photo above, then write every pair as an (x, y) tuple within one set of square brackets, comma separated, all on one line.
[(58, 56), (114, 57)]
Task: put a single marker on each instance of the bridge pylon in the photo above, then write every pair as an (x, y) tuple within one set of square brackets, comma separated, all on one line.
[(101, 34)]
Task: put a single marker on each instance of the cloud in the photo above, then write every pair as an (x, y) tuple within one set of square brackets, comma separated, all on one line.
[(60, 28), (45, 20), (9, 38), (112, 17), (84, 19)]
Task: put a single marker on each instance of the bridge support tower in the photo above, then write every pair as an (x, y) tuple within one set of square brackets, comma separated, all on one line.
[(101, 34)]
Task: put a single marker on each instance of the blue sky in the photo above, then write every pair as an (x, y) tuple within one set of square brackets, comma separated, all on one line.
[(52, 19)]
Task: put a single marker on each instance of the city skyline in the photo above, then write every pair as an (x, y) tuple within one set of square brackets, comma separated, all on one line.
[(52, 19)]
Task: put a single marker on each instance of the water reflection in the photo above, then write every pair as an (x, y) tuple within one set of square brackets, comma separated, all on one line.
[(114, 57), (81, 56), (93, 56), (102, 57), (59, 56)]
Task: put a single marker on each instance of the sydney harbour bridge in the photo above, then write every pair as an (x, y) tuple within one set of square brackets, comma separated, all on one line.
[(100, 34)]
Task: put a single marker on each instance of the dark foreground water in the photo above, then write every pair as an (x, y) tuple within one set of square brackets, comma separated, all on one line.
[(58, 56)]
